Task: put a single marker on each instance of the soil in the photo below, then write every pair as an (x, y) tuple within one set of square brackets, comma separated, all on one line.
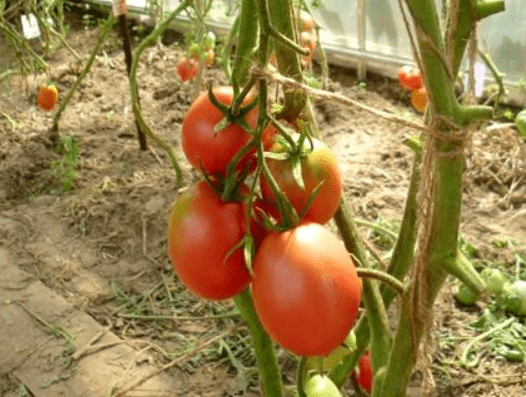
[(92, 261)]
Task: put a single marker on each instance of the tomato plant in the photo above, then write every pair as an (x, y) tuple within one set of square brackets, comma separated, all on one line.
[(410, 78), (363, 375), (419, 99), (317, 166), (210, 149), (306, 290), (187, 68), (47, 97), (202, 230)]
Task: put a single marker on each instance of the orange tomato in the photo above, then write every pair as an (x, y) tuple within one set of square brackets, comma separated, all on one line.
[(419, 99), (47, 97)]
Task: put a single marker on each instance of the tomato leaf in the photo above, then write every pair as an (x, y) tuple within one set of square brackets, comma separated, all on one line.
[(296, 172), (311, 199), (232, 250), (248, 253)]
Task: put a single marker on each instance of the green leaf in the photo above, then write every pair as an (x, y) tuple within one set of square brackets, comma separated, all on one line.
[(311, 199)]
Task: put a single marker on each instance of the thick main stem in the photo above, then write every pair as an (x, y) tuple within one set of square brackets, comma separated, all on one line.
[(269, 371)]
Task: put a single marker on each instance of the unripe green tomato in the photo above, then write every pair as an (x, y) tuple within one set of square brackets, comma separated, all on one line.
[(494, 280), (520, 122), (515, 297), (465, 296), (321, 386)]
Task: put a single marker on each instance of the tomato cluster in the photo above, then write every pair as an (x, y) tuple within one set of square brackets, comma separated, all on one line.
[(307, 36), (304, 284), (188, 66), (411, 80)]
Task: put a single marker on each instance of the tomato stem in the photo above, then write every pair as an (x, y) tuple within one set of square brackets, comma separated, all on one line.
[(386, 278), (269, 371), (149, 40)]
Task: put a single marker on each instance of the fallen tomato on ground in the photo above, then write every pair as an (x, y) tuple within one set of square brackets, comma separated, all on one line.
[(305, 289), (47, 96), (202, 231)]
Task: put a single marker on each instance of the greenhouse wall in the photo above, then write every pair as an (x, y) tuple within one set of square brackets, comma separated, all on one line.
[(372, 34)]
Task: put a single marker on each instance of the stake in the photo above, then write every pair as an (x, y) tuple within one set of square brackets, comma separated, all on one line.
[(120, 9)]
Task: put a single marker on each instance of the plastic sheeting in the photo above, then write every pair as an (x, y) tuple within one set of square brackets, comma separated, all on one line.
[(380, 38)]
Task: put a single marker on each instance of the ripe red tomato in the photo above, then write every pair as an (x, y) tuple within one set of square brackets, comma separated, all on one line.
[(47, 97), (213, 150), (305, 289), (187, 68), (410, 78), (363, 375), (201, 231), (318, 166), (419, 99)]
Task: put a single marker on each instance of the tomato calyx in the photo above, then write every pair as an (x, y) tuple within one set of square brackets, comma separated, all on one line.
[(233, 113), (294, 152)]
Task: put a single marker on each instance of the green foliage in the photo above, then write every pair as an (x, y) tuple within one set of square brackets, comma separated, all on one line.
[(64, 169)]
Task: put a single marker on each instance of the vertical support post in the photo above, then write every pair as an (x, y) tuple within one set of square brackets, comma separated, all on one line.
[(119, 9), (361, 69)]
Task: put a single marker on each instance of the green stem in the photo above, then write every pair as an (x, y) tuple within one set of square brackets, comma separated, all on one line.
[(246, 41), (386, 278), (279, 13), (403, 252), (150, 40), (498, 76), (376, 313), (269, 370), (105, 29)]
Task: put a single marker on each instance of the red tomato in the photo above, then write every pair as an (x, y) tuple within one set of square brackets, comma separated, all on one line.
[(47, 97), (213, 150), (410, 78), (187, 68), (419, 99), (201, 232), (305, 289), (363, 375), (318, 166)]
